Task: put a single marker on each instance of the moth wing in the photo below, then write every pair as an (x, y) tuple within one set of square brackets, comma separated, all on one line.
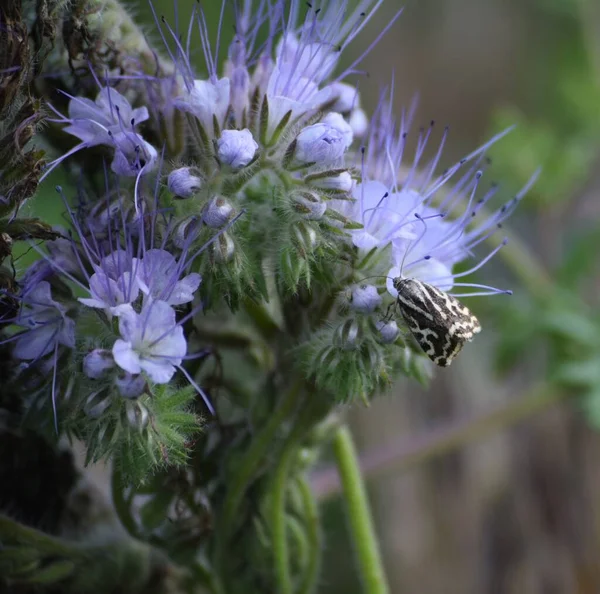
[(439, 323)]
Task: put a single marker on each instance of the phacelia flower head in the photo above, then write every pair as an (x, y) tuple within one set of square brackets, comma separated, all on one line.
[(124, 267), (287, 76), (429, 221)]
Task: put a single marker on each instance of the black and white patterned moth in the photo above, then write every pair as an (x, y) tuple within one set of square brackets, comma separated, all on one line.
[(439, 322)]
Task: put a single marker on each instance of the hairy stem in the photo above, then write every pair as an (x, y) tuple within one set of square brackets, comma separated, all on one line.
[(359, 514), (310, 412), (278, 520), (314, 537), (13, 531), (246, 470)]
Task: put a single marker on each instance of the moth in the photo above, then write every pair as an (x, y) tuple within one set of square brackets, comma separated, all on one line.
[(439, 322)]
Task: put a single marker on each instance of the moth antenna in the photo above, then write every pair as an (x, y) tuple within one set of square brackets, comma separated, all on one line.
[(376, 276)]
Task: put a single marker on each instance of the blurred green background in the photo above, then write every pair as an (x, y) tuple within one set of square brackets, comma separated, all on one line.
[(488, 481)]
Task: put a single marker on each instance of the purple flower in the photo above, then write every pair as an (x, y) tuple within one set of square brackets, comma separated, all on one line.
[(108, 121), (47, 323), (151, 341), (206, 100), (97, 362), (157, 274), (114, 283), (91, 121), (431, 222), (291, 70)]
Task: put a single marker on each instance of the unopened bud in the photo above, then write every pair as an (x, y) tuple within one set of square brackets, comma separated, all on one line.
[(96, 363), (337, 121), (320, 143), (217, 212), (97, 403), (388, 331), (130, 386), (305, 238), (347, 335), (309, 204), (137, 415), (236, 148), (338, 182), (183, 182), (187, 231), (365, 298), (224, 248)]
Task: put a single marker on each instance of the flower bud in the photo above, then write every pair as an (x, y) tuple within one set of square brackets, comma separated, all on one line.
[(217, 212), (132, 155), (236, 148), (130, 386), (187, 231), (337, 121), (183, 183), (224, 248), (365, 298), (388, 331), (305, 237), (320, 143), (347, 97), (96, 363), (96, 403), (309, 204), (347, 335), (338, 182), (359, 122), (137, 415)]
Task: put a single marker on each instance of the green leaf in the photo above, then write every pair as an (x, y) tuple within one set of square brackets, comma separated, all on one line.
[(580, 373), (53, 573)]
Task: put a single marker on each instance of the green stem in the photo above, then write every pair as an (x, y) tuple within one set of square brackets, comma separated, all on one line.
[(417, 450), (313, 533), (246, 470), (359, 514), (311, 411), (281, 557), (13, 531), (120, 504)]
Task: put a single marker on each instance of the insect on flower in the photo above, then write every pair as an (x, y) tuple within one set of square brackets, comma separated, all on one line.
[(439, 322)]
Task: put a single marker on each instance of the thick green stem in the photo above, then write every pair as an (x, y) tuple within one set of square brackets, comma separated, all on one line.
[(313, 534), (416, 450), (246, 470), (13, 531), (359, 514), (310, 412), (278, 521)]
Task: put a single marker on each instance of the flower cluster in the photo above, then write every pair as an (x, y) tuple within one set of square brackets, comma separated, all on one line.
[(322, 196)]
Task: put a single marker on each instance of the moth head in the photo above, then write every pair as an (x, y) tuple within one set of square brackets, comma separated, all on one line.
[(398, 282)]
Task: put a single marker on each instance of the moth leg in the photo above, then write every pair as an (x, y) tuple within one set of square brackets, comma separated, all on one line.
[(389, 312)]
